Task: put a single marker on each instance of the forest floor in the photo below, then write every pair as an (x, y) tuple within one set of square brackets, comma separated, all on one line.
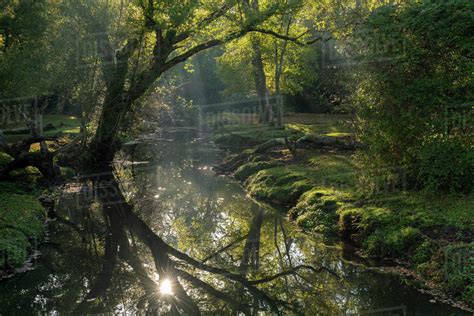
[(429, 236), (22, 216)]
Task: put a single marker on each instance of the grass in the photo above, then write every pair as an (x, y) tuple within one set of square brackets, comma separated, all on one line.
[(321, 124), (63, 124)]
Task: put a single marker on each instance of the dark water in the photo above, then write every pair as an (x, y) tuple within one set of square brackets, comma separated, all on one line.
[(160, 233)]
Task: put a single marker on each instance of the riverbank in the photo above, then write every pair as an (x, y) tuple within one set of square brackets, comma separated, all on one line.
[(22, 217), (307, 167)]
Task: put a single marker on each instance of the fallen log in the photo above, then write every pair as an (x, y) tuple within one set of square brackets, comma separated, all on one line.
[(326, 141), (43, 159), (269, 144)]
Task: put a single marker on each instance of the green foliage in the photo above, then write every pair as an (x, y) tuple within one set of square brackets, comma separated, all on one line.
[(446, 165), (404, 86), (458, 269), (424, 252), (395, 242), (167, 108)]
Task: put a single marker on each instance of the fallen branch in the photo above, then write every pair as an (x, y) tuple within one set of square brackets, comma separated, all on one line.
[(42, 160)]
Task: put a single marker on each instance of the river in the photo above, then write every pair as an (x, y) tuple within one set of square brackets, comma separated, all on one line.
[(161, 233)]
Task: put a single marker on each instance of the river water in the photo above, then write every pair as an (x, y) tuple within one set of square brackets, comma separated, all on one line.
[(160, 233)]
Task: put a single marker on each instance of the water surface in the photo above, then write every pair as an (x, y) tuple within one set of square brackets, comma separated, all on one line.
[(160, 233)]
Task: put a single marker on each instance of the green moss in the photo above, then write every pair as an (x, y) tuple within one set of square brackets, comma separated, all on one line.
[(248, 169), (325, 197), (251, 135), (21, 222), (319, 123), (338, 134), (4, 159), (316, 209), (281, 185), (392, 242), (415, 228)]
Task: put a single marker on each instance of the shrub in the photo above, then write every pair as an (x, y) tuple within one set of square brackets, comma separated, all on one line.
[(396, 242), (446, 165), (418, 61)]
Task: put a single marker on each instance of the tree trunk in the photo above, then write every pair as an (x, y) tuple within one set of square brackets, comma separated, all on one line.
[(251, 254), (105, 144), (260, 79), (265, 109)]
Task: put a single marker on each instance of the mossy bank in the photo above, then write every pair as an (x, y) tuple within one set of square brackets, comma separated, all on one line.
[(319, 185), (22, 217)]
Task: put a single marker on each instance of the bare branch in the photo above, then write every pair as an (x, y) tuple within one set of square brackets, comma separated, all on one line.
[(230, 245), (293, 271)]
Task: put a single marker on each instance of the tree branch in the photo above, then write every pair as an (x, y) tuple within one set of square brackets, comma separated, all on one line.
[(200, 47), (295, 40), (293, 271), (206, 21), (211, 290)]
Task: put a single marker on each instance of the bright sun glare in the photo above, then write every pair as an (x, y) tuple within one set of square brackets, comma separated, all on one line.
[(165, 287)]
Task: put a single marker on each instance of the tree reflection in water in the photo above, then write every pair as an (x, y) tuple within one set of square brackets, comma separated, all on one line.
[(178, 268)]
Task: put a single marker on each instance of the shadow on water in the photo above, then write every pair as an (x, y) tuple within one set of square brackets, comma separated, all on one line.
[(161, 234)]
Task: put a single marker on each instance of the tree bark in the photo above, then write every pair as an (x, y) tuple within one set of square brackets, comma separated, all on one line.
[(260, 79)]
